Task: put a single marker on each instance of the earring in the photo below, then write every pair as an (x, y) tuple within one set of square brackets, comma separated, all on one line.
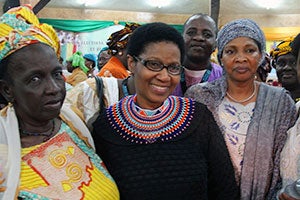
[(120, 53)]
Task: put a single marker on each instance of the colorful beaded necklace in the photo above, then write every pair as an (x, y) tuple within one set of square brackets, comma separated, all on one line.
[(137, 127)]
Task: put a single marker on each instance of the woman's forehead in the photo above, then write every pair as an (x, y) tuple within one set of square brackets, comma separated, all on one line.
[(33, 56)]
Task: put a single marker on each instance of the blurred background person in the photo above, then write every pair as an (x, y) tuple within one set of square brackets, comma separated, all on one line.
[(286, 67), (103, 57), (117, 45), (90, 62), (264, 69), (88, 99), (199, 33), (76, 66), (253, 116), (46, 151), (61, 60)]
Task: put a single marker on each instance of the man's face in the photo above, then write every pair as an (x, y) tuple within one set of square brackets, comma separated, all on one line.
[(200, 39)]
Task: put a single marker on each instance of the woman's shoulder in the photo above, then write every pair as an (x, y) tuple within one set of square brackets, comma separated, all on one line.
[(276, 100), (199, 108), (274, 89), (208, 93), (275, 93)]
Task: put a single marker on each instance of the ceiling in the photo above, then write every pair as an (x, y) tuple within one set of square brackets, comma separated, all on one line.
[(183, 6)]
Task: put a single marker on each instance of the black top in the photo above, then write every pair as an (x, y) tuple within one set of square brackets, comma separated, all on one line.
[(193, 165)]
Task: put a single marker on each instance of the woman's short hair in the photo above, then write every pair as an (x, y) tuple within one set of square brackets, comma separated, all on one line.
[(153, 33)]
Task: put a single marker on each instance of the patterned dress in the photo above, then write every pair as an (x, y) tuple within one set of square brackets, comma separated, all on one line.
[(79, 172), (235, 119)]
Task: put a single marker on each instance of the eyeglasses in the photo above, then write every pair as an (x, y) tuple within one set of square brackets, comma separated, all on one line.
[(156, 66)]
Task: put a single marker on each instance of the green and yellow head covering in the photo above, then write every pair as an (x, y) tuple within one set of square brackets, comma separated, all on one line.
[(77, 60), (282, 48), (20, 27)]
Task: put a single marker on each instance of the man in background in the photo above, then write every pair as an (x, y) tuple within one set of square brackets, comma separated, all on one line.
[(199, 33)]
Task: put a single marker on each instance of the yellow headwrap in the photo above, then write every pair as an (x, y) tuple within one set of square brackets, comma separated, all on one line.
[(20, 27), (282, 48)]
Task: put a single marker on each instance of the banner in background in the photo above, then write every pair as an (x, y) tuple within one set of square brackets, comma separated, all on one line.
[(86, 42)]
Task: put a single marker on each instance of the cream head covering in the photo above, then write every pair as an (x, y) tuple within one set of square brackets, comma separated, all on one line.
[(20, 27)]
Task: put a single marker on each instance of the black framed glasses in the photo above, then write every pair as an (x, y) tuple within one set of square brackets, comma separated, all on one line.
[(156, 66)]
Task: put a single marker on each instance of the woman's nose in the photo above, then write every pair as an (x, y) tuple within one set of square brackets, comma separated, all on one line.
[(164, 74), (240, 57), (53, 86)]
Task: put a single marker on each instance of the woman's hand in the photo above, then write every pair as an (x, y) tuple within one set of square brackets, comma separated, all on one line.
[(284, 196)]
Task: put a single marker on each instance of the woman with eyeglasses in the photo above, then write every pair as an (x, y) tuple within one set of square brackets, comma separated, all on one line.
[(159, 146)]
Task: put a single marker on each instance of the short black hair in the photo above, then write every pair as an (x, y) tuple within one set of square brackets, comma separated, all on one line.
[(153, 33), (202, 15)]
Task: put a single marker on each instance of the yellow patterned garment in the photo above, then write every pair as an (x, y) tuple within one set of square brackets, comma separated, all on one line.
[(64, 168), (282, 48)]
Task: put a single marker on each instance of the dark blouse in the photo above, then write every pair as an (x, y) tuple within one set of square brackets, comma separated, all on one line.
[(177, 154)]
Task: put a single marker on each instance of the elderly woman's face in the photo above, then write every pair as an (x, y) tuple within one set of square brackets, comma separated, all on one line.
[(240, 58), (154, 87), (286, 70), (38, 88), (103, 58)]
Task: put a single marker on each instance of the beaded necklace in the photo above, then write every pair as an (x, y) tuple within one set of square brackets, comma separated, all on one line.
[(133, 125), (46, 134)]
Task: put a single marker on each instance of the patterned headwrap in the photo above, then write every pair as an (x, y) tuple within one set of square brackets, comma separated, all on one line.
[(118, 40), (282, 48), (20, 27)]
